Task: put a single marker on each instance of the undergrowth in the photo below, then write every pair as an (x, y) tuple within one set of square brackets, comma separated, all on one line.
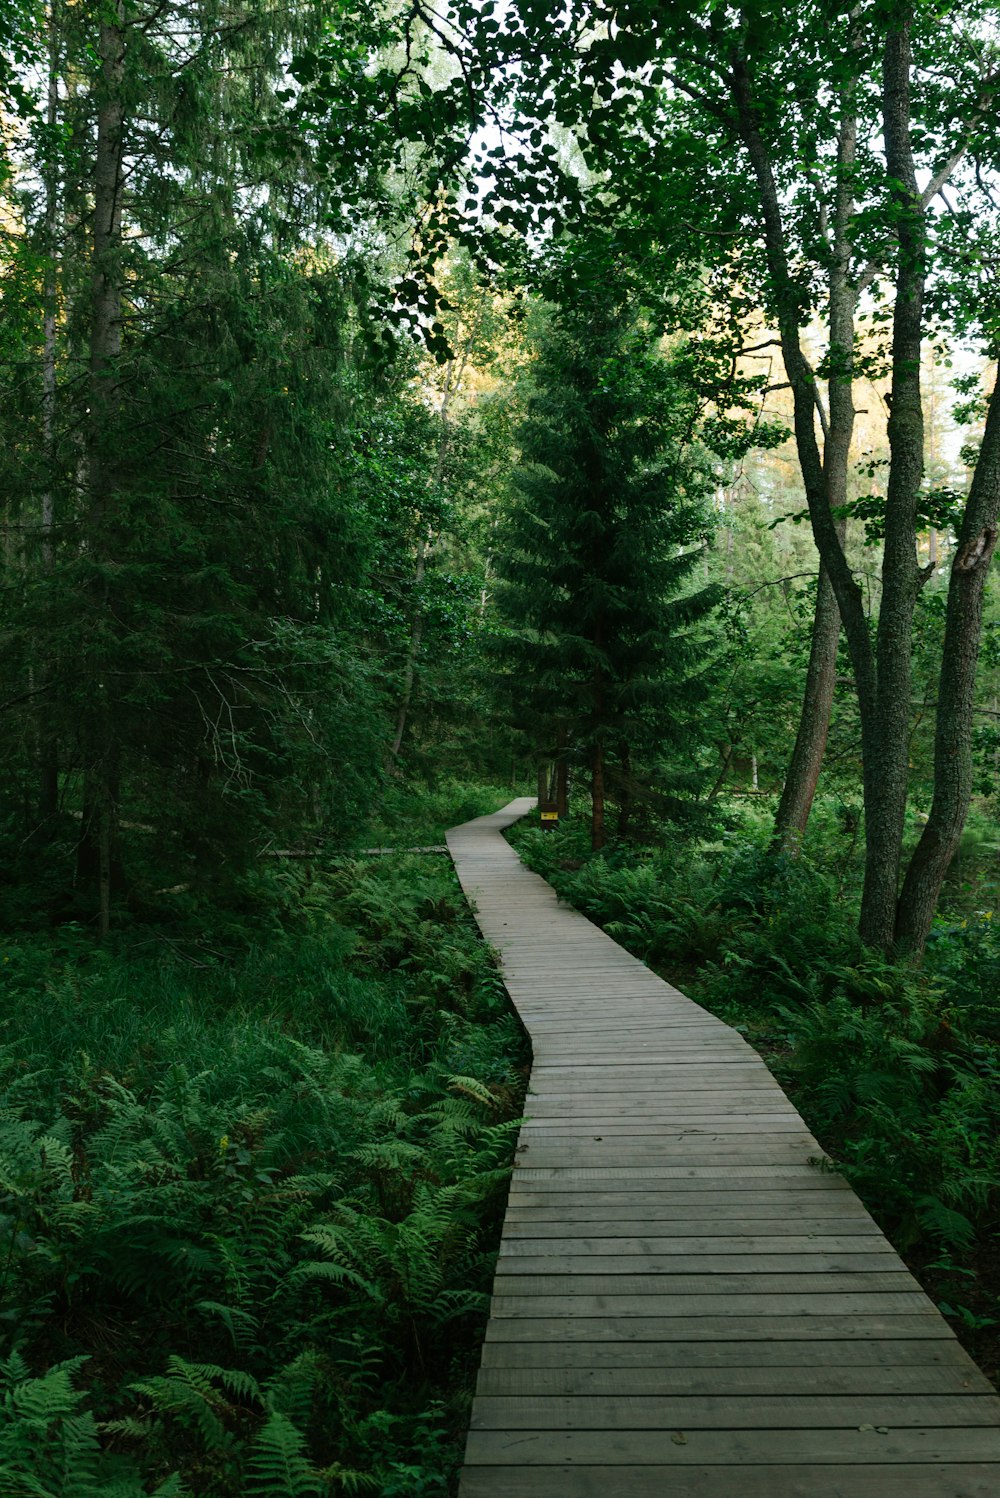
[(249, 1199), (895, 1071), (417, 814)]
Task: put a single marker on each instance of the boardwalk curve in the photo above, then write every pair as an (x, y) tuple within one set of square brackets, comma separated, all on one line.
[(686, 1304)]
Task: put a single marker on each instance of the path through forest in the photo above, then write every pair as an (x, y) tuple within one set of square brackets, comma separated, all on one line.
[(689, 1303)]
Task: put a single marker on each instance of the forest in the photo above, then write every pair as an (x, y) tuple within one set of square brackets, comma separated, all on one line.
[(407, 405)]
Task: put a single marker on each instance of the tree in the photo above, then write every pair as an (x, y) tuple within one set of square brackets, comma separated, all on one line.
[(835, 110), (184, 600), (597, 550)]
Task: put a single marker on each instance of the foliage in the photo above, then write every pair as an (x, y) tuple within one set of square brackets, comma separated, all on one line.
[(248, 1198), (599, 618)]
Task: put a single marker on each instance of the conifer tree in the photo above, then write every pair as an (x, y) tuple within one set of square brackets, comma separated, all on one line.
[(602, 650)]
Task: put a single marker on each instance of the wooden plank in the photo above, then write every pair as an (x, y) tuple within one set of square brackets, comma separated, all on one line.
[(886, 1480), (735, 1147), (870, 1321), (823, 1379), (520, 1247), (830, 1353), (705, 1204), (578, 1305), (551, 1131), (907, 1444), (616, 1267), (663, 1282), (610, 1154), (569, 1177), (755, 1412), (670, 1233)]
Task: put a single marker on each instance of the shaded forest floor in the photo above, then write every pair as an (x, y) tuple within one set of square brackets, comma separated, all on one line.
[(896, 1072), (252, 1186)]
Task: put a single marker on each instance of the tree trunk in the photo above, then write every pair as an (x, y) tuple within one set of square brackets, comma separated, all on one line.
[(562, 774), (846, 589), (814, 724), (953, 769), (887, 749), (541, 782), (626, 799), (101, 792), (884, 720), (802, 775), (597, 832), (48, 753)]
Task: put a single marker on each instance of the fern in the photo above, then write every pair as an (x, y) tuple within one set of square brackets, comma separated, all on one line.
[(188, 1393), (50, 1447), (278, 1465), (269, 1182)]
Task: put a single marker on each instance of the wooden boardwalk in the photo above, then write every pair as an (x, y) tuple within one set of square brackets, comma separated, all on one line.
[(686, 1304)]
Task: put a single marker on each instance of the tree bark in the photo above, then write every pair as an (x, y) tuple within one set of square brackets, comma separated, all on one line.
[(562, 773), (847, 591), (101, 780), (882, 678), (814, 724), (626, 796), (887, 747), (597, 828), (48, 749), (953, 770), (802, 775)]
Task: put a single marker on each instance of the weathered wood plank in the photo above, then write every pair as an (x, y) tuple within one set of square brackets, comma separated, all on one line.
[(829, 1355), (669, 1204), (871, 1321), (568, 1178), (579, 1305), (756, 1412), (921, 1377), (552, 1448), (521, 1247), (671, 1266), (887, 1480), (673, 1234)]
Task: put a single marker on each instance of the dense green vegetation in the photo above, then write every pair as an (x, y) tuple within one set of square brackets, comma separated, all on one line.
[(251, 1192), (388, 428)]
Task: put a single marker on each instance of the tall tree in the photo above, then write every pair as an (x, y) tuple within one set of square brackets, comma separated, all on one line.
[(596, 556), (189, 615), (835, 109)]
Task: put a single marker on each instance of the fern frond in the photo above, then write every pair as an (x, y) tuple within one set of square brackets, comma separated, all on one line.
[(279, 1467)]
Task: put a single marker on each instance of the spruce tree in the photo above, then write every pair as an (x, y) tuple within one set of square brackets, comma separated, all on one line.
[(603, 651)]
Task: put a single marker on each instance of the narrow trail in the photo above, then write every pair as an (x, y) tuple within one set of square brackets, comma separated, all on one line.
[(687, 1304)]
